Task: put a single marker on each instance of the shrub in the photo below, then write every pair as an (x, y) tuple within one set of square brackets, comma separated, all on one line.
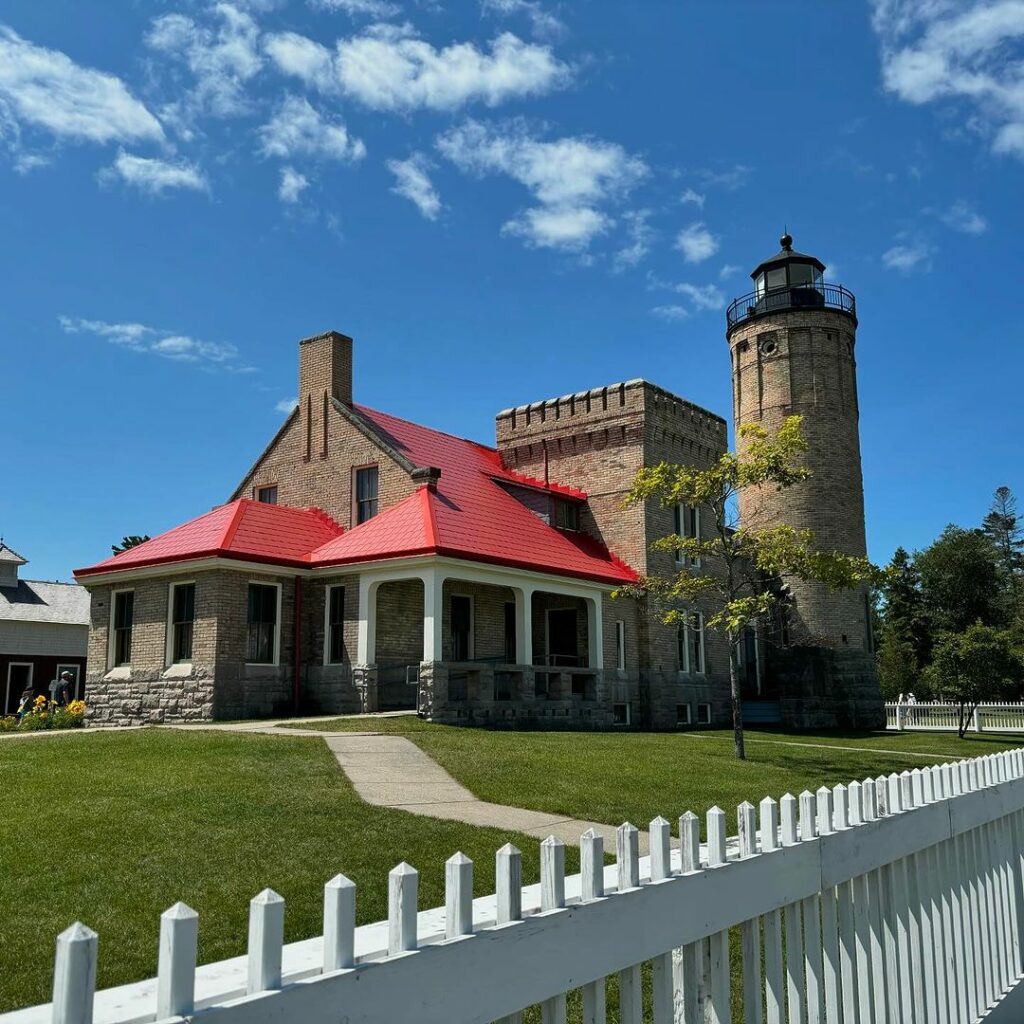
[(47, 715)]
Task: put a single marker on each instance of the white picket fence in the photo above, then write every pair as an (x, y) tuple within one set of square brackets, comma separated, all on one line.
[(896, 899), (1008, 717)]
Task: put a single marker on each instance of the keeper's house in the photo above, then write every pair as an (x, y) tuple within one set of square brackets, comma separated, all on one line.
[(366, 562), (44, 630)]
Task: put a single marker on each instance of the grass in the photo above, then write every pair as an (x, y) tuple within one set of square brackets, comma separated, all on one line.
[(615, 777), (112, 829)]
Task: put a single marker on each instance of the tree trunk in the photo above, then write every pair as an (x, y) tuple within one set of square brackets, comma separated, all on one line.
[(737, 699)]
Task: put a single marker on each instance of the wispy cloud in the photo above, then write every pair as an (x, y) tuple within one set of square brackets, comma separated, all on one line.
[(729, 270), (154, 176), (696, 243), (367, 8), (389, 67), (728, 178), (544, 24), (671, 314), (286, 405), (298, 129), (153, 341), (412, 181), (293, 184), (222, 54), (571, 179), (689, 196), (703, 296), (909, 255), (47, 89), (962, 217), (640, 236), (960, 52)]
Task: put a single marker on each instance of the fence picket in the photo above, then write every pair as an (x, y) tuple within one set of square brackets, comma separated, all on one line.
[(339, 923), (508, 889), (750, 931), (458, 896), (552, 897), (844, 907), (662, 971), (176, 970), (718, 944), (592, 888), (774, 982), (74, 975)]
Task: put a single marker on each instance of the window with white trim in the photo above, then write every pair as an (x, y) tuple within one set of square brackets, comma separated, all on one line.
[(262, 622), (364, 489), (182, 621), (686, 523), (690, 640), (684, 715), (122, 619), (335, 631), (703, 714), (620, 645)]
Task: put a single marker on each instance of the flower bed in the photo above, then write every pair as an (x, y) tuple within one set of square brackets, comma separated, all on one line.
[(46, 714)]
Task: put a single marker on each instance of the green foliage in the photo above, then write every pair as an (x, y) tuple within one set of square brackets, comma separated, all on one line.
[(132, 540), (977, 665), (905, 639), (960, 580), (742, 564), (47, 715)]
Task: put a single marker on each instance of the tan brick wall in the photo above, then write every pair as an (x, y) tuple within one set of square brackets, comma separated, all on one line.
[(804, 363), (325, 364)]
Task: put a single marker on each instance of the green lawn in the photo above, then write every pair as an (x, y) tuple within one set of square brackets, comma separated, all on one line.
[(614, 777), (112, 829)]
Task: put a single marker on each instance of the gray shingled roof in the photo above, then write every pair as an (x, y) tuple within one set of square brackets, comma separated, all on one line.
[(7, 555), (36, 601)]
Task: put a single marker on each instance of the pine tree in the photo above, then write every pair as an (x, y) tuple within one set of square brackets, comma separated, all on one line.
[(1003, 527)]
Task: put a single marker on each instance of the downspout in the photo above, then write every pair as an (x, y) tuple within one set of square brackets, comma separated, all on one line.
[(297, 645)]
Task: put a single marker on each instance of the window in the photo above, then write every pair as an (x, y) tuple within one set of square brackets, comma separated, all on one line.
[(703, 714), (335, 631), (183, 613), (620, 714), (620, 645), (690, 638), (461, 617), (366, 493), (262, 622), (19, 677), (775, 278), (683, 714), (124, 613), (268, 495), (567, 515), (510, 632), (686, 523)]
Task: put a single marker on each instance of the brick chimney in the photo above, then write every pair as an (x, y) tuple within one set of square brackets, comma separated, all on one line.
[(325, 372)]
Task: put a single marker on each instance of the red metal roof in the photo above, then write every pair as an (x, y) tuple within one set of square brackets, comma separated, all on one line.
[(469, 515), (244, 529)]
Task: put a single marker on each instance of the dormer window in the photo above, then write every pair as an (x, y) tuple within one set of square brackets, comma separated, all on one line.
[(567, 515)]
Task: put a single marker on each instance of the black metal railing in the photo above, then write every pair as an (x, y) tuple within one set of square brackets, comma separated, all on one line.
[(805, 296)]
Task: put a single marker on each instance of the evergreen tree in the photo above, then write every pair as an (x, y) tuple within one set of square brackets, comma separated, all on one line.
[(132, 540), (1003, 528), (960, 581), (904, 641)]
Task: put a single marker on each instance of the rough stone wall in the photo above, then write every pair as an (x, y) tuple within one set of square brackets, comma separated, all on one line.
[(801, 362)]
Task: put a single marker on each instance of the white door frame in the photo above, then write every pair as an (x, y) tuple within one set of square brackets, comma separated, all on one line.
[(18, 664), (77, 669)]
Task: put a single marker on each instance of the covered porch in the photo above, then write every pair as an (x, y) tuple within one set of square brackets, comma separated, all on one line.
[(469, 643)]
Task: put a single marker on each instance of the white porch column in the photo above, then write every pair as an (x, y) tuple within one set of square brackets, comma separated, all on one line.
[(595, 631), (524, 625), (366, 644), (433, 614)]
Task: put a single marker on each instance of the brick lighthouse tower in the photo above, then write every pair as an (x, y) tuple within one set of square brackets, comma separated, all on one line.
[(793, 347)]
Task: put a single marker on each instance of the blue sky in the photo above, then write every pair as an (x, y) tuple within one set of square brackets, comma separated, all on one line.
[(501, 201)]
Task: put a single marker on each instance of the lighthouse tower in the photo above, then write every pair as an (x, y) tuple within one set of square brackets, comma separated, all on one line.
[(793, 347)]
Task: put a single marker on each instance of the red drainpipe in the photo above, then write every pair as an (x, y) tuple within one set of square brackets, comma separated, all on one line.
[(298, 644)]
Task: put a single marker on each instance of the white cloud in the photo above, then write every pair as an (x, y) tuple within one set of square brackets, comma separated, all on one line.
[(154, 176), (703, 296), (165, 344), (370, 8), (964, 52), (286, 405), (696, 243), (672, 314), (389, 67), (292, 185), (222, 58), (544, 24), (298, 129), (729, 270), (640, 234), (570, 178), (909, 255), (961, 216), (689, 196), (730, 179), (48, 90), (412, 181)]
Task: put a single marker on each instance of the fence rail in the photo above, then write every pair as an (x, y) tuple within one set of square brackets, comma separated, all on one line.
[(1007, 717), (899, 898)]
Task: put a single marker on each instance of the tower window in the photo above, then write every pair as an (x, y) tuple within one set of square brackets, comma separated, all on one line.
[(768, 344), (366, 480)]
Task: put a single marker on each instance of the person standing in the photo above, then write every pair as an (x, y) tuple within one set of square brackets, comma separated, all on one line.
[(60, 688)]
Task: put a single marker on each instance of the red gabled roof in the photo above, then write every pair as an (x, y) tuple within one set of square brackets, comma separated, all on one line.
[(244, 529), (470, 515)]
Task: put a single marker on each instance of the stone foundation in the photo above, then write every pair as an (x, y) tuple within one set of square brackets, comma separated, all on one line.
[(121, 697)]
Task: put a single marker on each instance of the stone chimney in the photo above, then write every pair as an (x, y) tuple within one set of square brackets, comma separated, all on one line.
[(325, 364), (325, 372)]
